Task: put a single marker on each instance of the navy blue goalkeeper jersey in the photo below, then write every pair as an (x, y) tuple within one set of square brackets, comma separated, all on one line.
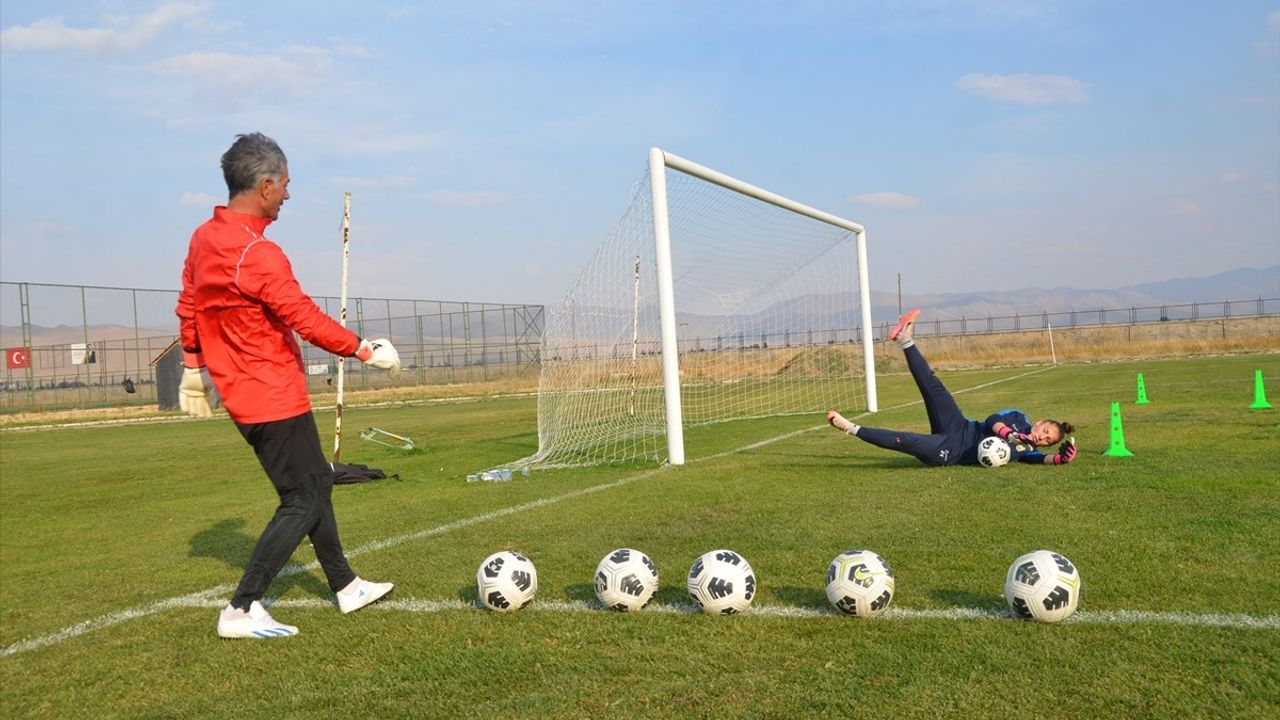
[(1022, 452)]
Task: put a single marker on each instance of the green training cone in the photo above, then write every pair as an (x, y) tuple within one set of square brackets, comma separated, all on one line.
[(1259, 393), (1142, 392), (1117, 448)]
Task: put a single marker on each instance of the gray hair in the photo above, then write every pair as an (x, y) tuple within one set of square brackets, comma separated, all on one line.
[(251, 159)]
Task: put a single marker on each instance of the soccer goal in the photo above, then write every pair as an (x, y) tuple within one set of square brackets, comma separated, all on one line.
[(711, 300)]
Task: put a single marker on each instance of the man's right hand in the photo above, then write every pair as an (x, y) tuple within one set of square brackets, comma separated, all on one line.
[(379, 353), (196, 386)]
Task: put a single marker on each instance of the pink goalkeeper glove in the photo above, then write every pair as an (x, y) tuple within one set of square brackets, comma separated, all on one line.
[(1066, 452), (1007, 432)]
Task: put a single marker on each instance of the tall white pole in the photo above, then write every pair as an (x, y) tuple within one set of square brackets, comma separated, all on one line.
[(342, 320), (868, 345), (635, 337), (1052, 353), (666, 308)]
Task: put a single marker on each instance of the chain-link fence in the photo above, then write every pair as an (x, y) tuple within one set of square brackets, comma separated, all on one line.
[(85, 346)]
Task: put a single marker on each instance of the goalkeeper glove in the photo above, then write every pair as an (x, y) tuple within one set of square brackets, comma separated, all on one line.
[(1008, 434), (196, 386), (1066, 452), (379, 353)]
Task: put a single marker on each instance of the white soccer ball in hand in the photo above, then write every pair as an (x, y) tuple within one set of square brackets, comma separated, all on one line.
[(859, 582), (993, 452), (506, 581), (721, 582), (626, 580), (1042, 585)]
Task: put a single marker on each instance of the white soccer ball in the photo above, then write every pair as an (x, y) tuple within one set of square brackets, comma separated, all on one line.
[(506, 581), (721, 582), (1042, 585), (859, 582), (993, 452), (626, 580)]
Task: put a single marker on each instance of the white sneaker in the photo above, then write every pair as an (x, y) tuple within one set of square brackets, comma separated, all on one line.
[(360, 593), (257, 624)]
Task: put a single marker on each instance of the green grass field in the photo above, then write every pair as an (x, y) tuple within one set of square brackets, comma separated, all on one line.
[(120, 543)]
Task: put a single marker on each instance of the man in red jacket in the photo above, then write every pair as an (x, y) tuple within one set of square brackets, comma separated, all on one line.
[(239, 308)]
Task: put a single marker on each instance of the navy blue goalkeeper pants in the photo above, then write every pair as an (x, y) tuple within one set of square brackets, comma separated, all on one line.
[(289, 451), (951, 434)]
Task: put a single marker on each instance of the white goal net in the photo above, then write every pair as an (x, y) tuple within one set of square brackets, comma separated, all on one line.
[(766, 315)]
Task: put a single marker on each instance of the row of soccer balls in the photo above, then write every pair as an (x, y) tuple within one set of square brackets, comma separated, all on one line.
[(1040, 585)]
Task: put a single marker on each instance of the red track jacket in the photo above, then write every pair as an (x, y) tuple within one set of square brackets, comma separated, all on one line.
[(240, 306)]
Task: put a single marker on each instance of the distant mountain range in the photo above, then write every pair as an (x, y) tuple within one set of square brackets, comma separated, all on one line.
[(1240, 284)]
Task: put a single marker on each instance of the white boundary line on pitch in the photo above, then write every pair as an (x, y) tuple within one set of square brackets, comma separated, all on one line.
[(112, 619), (1083, 617)]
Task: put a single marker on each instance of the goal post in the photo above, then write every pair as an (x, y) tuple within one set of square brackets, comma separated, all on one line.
[(658, 162), (711, 300)]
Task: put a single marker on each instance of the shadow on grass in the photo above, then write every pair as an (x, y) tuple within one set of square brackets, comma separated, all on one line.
[(467, 593), (887, 460), (968, 599), (807, 597), (227, 541), (582, 592)]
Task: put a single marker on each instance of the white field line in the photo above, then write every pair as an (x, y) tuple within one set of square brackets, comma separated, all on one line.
[(1083, 617), (112, 619)]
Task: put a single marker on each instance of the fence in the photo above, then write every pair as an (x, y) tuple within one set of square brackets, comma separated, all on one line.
[(82, 342), (757, 340), (87, 346)]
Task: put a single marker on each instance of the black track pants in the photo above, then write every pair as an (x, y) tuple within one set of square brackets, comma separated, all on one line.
[(289, 451), (949, 429)]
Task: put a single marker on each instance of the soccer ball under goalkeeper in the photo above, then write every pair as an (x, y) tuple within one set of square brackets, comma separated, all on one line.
[(626, 580), (506, 581), (993, 452), (1042, 585), (860, 583)]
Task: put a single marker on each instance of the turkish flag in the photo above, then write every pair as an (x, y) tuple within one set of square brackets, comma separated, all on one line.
[(17, 358)]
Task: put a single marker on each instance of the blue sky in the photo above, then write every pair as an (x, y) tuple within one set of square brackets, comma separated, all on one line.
[(490, 146)]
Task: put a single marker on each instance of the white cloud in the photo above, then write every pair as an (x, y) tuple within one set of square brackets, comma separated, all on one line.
[(273, 75), (468, 198), (392, 181), (121, 34), (1024, 88), (198, 199), (886, 200), (48, 230), (1182, 206), (1231, 177), (381, 141), (1272, 43)]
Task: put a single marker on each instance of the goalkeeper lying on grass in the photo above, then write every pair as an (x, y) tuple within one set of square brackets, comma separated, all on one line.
[(953, 438)]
